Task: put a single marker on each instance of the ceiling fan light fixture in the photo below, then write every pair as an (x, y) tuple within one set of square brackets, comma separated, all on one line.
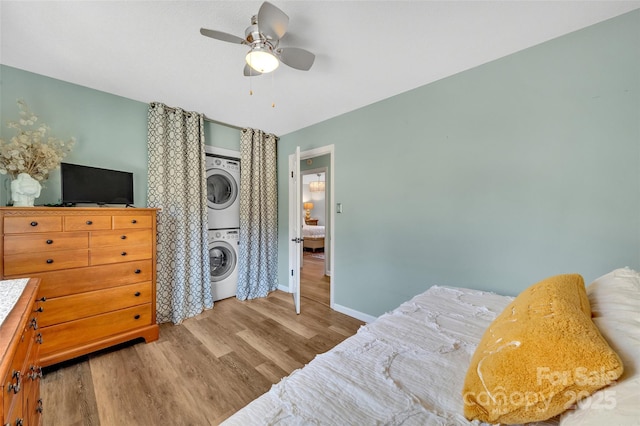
[(262, 60), (263, 38)]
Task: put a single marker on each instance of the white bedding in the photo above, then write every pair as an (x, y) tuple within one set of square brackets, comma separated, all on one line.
[(407, 367), (313, 231)]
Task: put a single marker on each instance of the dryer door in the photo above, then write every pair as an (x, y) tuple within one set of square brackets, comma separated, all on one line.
[(222, 259), (222, 189)]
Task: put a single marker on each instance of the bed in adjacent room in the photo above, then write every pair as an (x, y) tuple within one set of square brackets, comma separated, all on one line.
[(408, 367), (313, 237)]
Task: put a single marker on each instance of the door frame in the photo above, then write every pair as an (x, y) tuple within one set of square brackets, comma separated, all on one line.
[(304, 155)]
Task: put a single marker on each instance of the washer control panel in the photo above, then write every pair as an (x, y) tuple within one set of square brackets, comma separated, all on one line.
[(226, 235), (225, 164)]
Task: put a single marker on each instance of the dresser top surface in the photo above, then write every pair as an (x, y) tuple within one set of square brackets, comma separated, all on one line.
[(10, 292), (106, 210)]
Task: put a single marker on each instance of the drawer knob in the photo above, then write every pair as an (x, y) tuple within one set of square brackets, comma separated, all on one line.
[(40, 309), (89, 222), (124, 237), (137, 271), (137, 317), (35, 373), (137, 294), (49, 261), (34, 323), (15, 387), (49, 241), (134, 221), (39, 338), (42, 299), (124, 253), (34, 223)]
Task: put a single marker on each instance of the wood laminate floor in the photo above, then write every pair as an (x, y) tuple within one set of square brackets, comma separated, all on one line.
[(197, 373), (314, 284)]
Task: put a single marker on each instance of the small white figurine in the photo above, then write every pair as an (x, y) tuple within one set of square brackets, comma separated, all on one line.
[(24, 190)]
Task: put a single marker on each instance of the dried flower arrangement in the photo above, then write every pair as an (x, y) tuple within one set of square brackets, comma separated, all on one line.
[(30, 150)]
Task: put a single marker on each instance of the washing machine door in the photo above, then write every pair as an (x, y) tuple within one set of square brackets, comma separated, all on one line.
[(222, 260), (222, 189)]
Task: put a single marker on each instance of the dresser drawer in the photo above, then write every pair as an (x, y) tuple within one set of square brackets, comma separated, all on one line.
[(62, 283), (12, 400), (68, 308), (14, 244), (14, 375), (122, 238), (86, 223), (84, 331), (104, 255), (26, 263), (21, 225), (132, 222)]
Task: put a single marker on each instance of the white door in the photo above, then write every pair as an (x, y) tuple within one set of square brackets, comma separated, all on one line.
[(295, 228)]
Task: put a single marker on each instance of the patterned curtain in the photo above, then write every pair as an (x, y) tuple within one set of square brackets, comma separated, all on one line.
[(258, 249), (177, 185)]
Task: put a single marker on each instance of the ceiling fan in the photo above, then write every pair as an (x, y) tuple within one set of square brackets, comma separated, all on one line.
[(263, 37)]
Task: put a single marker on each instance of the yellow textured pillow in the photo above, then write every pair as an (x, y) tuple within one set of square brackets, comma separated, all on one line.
[(539, 356)]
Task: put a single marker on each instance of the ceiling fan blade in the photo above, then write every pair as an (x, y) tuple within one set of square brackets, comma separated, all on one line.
[(272, 22), (297, 58), (219, 35), (250, 72)]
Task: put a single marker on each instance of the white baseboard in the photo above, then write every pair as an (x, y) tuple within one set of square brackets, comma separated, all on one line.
[(353, 313), (342, 309)]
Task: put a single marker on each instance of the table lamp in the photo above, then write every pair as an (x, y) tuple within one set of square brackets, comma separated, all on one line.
[(307, 207)]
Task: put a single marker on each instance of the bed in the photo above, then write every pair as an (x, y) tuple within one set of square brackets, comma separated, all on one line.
[(408, 367), (313, 237)]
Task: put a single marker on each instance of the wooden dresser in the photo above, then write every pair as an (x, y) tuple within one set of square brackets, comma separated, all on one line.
[(20, 369), (97, 271)]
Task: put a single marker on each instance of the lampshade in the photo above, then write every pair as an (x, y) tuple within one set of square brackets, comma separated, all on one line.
[(316, 186), (308, 206), (262, 60)]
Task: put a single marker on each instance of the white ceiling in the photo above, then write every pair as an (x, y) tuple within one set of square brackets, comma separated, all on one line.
[(366, 51)]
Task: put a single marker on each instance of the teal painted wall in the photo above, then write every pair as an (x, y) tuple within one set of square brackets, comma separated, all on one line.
[(494, 178), (111, 130), (317, 163), (221, 136)]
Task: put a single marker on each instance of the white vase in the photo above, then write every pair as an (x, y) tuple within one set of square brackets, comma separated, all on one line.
[(24, 190)]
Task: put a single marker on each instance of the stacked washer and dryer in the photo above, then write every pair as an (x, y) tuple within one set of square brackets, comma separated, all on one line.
[(223, 202)]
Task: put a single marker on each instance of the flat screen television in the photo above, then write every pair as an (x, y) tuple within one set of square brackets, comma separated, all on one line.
[(84, 184)]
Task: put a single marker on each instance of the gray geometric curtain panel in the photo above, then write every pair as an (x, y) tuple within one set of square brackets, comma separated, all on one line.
[(258, 249), (177, 186)]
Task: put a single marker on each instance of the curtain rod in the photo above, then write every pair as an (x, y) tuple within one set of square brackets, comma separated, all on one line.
[(204, 117), (211, 120)]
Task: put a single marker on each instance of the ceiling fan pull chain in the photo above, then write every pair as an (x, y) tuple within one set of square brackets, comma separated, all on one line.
[(273, 104)]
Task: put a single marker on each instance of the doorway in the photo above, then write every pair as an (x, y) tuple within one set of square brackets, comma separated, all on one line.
[(315, 280), (310, 160)]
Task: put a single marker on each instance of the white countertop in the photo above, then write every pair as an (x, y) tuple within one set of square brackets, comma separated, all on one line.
[(10, 292)]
